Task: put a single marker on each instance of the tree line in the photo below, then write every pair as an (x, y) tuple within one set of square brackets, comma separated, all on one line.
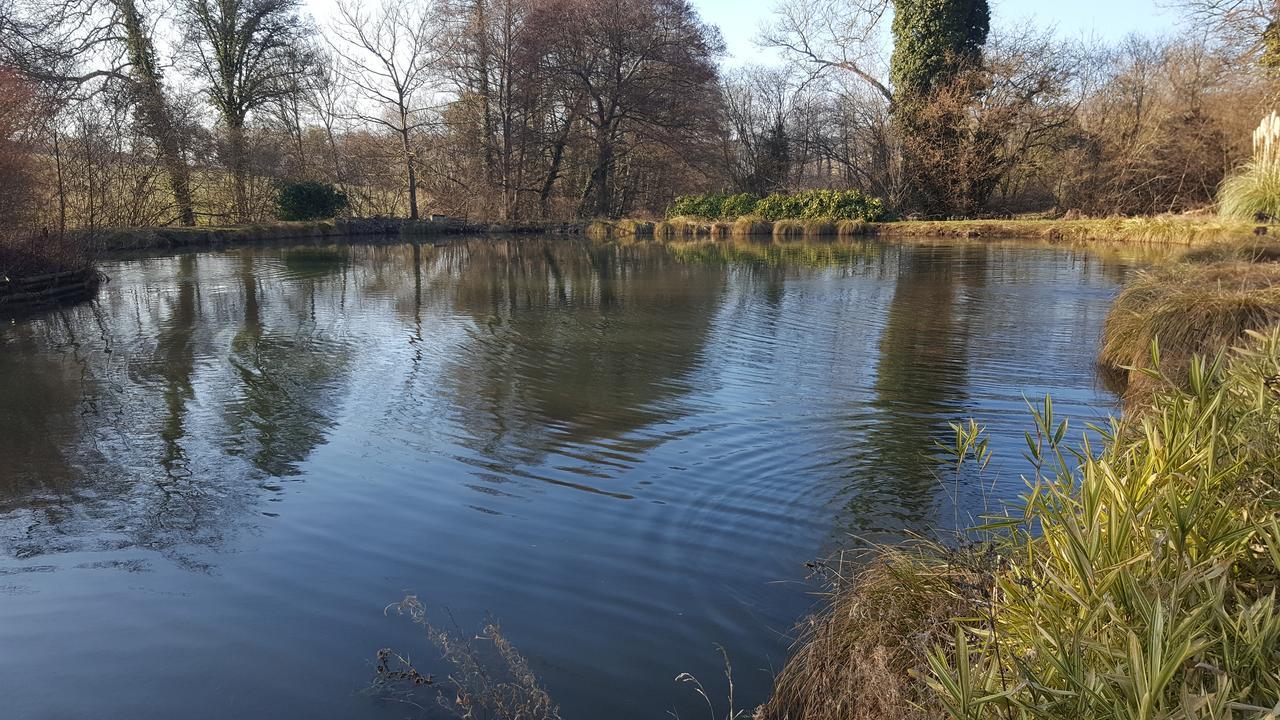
[(127, 113)]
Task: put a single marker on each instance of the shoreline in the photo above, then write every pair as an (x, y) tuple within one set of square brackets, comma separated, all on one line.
[(33, 292), (1179, 230)]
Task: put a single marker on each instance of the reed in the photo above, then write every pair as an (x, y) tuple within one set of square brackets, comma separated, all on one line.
[(1253, 191), (1266, 141)]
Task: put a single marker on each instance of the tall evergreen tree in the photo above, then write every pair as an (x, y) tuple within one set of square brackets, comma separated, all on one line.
[(933, 41), (937, 47)]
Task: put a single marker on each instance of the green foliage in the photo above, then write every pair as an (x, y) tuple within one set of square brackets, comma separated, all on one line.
[(1253, 193), (820, 205), (309, 201), (1135, 578), (948, 162), (1270, 58), (832, 205), (707, 206), (1138, 581), (735, 206), (933, 40)]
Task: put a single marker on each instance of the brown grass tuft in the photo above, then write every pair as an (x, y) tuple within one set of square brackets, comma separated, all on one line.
[(788, 230), (860, 657), (1187, 309), (852, 228), (751, 227)]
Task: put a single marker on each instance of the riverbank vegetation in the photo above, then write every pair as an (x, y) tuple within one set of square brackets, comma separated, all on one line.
[(500, 112), (1135, 579), (25, 253), (832, 205), (1200, 305)]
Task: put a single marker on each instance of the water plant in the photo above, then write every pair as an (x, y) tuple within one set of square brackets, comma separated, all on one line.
[(487, 676)]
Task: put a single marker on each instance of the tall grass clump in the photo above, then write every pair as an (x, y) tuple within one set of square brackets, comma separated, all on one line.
[(1186, 309), (1253, 192), (1136, 578)]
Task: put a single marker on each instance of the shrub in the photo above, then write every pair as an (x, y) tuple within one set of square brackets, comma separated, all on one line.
[(830, 205), (309, 201), (821, 205), (735, 206), (1252, 193), (706, 207)]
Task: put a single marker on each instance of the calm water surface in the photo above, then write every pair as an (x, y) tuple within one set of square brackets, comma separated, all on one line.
[(213, 479)]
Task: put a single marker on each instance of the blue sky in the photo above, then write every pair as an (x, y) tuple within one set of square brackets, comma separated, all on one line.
[(739, 20)]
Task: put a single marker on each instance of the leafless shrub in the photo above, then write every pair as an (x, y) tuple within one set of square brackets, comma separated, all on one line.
[(489, 679)]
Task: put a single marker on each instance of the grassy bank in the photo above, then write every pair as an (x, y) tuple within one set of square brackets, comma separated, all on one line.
[(1204, 301), (332, 230), (1179, 230), (1136, 579)]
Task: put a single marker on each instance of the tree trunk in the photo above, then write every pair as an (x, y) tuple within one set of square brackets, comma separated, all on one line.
[(236, 163), (553, 172), (157, 123), (601, 176), (411, 173)]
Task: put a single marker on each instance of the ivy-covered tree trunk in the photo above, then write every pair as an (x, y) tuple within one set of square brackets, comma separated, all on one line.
[(153, 111), (937, 43)]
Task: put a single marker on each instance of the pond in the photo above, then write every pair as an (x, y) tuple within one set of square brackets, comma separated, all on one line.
[(218, 475)]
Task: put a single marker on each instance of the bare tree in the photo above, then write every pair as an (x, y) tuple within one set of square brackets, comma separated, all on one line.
[(645, 67), (1246, 27), (251, 53), (76, 45), (824, 35), (387, 57)]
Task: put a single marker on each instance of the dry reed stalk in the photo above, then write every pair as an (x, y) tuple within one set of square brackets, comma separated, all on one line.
[(1266, 140)]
